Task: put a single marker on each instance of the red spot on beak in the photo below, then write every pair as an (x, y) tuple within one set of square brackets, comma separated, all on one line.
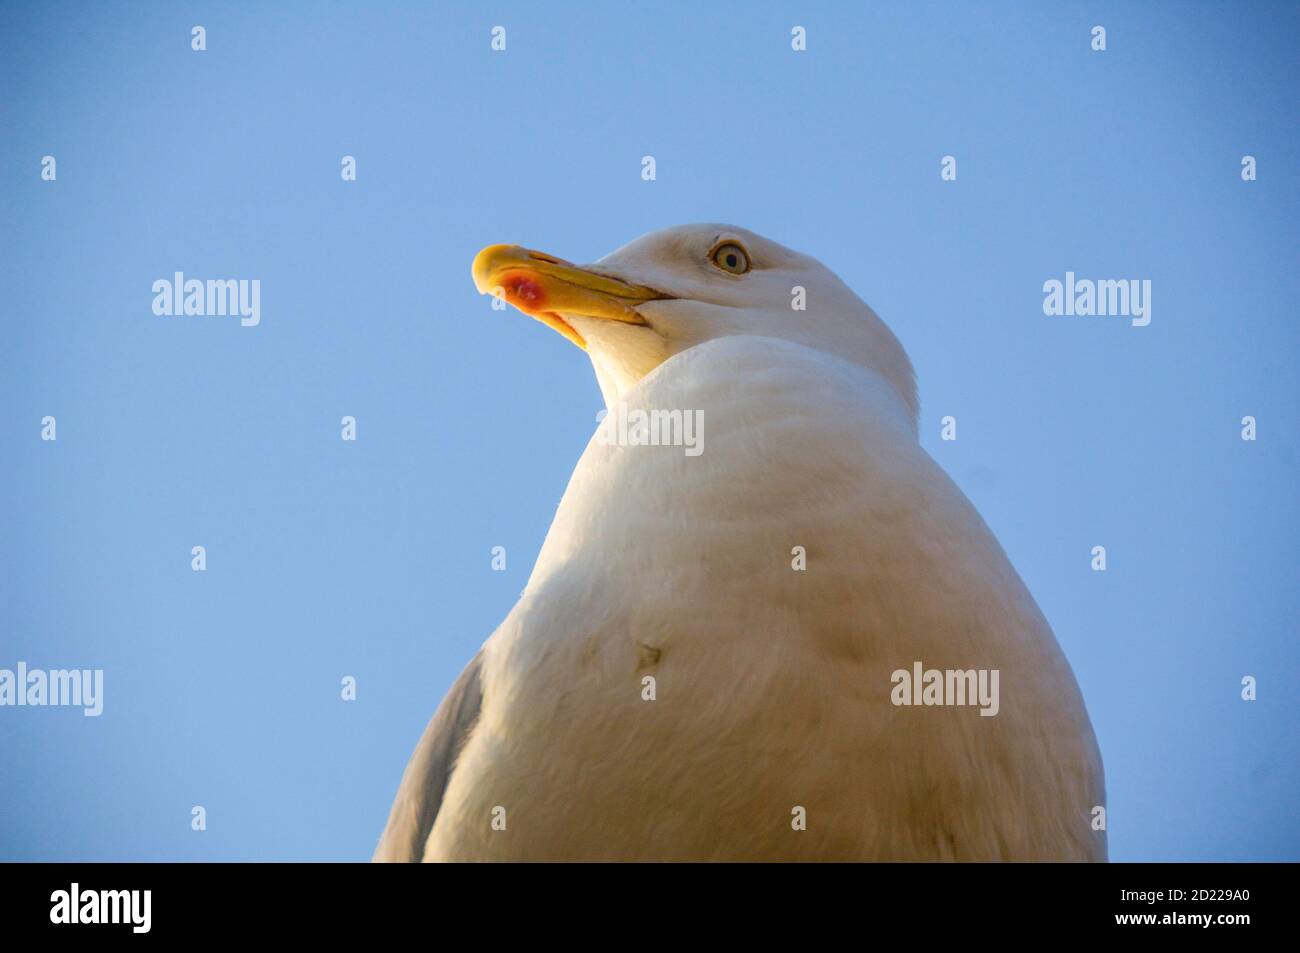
[(524, 291)]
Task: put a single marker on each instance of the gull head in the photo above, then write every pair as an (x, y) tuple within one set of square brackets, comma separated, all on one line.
[(672, 289)]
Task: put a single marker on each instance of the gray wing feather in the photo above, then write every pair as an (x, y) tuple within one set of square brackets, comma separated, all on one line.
[(419, 796)]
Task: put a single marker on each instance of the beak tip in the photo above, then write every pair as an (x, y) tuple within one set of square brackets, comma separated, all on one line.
[(485, 263)]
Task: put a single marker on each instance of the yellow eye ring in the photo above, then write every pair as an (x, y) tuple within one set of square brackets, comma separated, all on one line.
[(731, 258)]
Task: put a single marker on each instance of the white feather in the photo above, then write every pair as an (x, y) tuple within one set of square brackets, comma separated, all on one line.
[(773, 685)]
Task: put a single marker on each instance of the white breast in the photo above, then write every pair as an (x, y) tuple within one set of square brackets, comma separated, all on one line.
[(773, 686)]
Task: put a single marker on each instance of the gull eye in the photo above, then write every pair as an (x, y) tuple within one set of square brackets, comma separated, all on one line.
[(731, 257)]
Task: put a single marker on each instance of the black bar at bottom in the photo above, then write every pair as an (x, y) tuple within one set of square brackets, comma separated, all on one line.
[(334, 901)]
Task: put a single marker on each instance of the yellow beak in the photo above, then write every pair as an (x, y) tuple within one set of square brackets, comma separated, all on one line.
[(542, 286)]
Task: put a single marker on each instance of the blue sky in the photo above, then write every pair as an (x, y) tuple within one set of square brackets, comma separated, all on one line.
[(371, 559)]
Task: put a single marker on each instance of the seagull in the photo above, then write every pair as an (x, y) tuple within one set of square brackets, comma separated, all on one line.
[(707, 662)]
